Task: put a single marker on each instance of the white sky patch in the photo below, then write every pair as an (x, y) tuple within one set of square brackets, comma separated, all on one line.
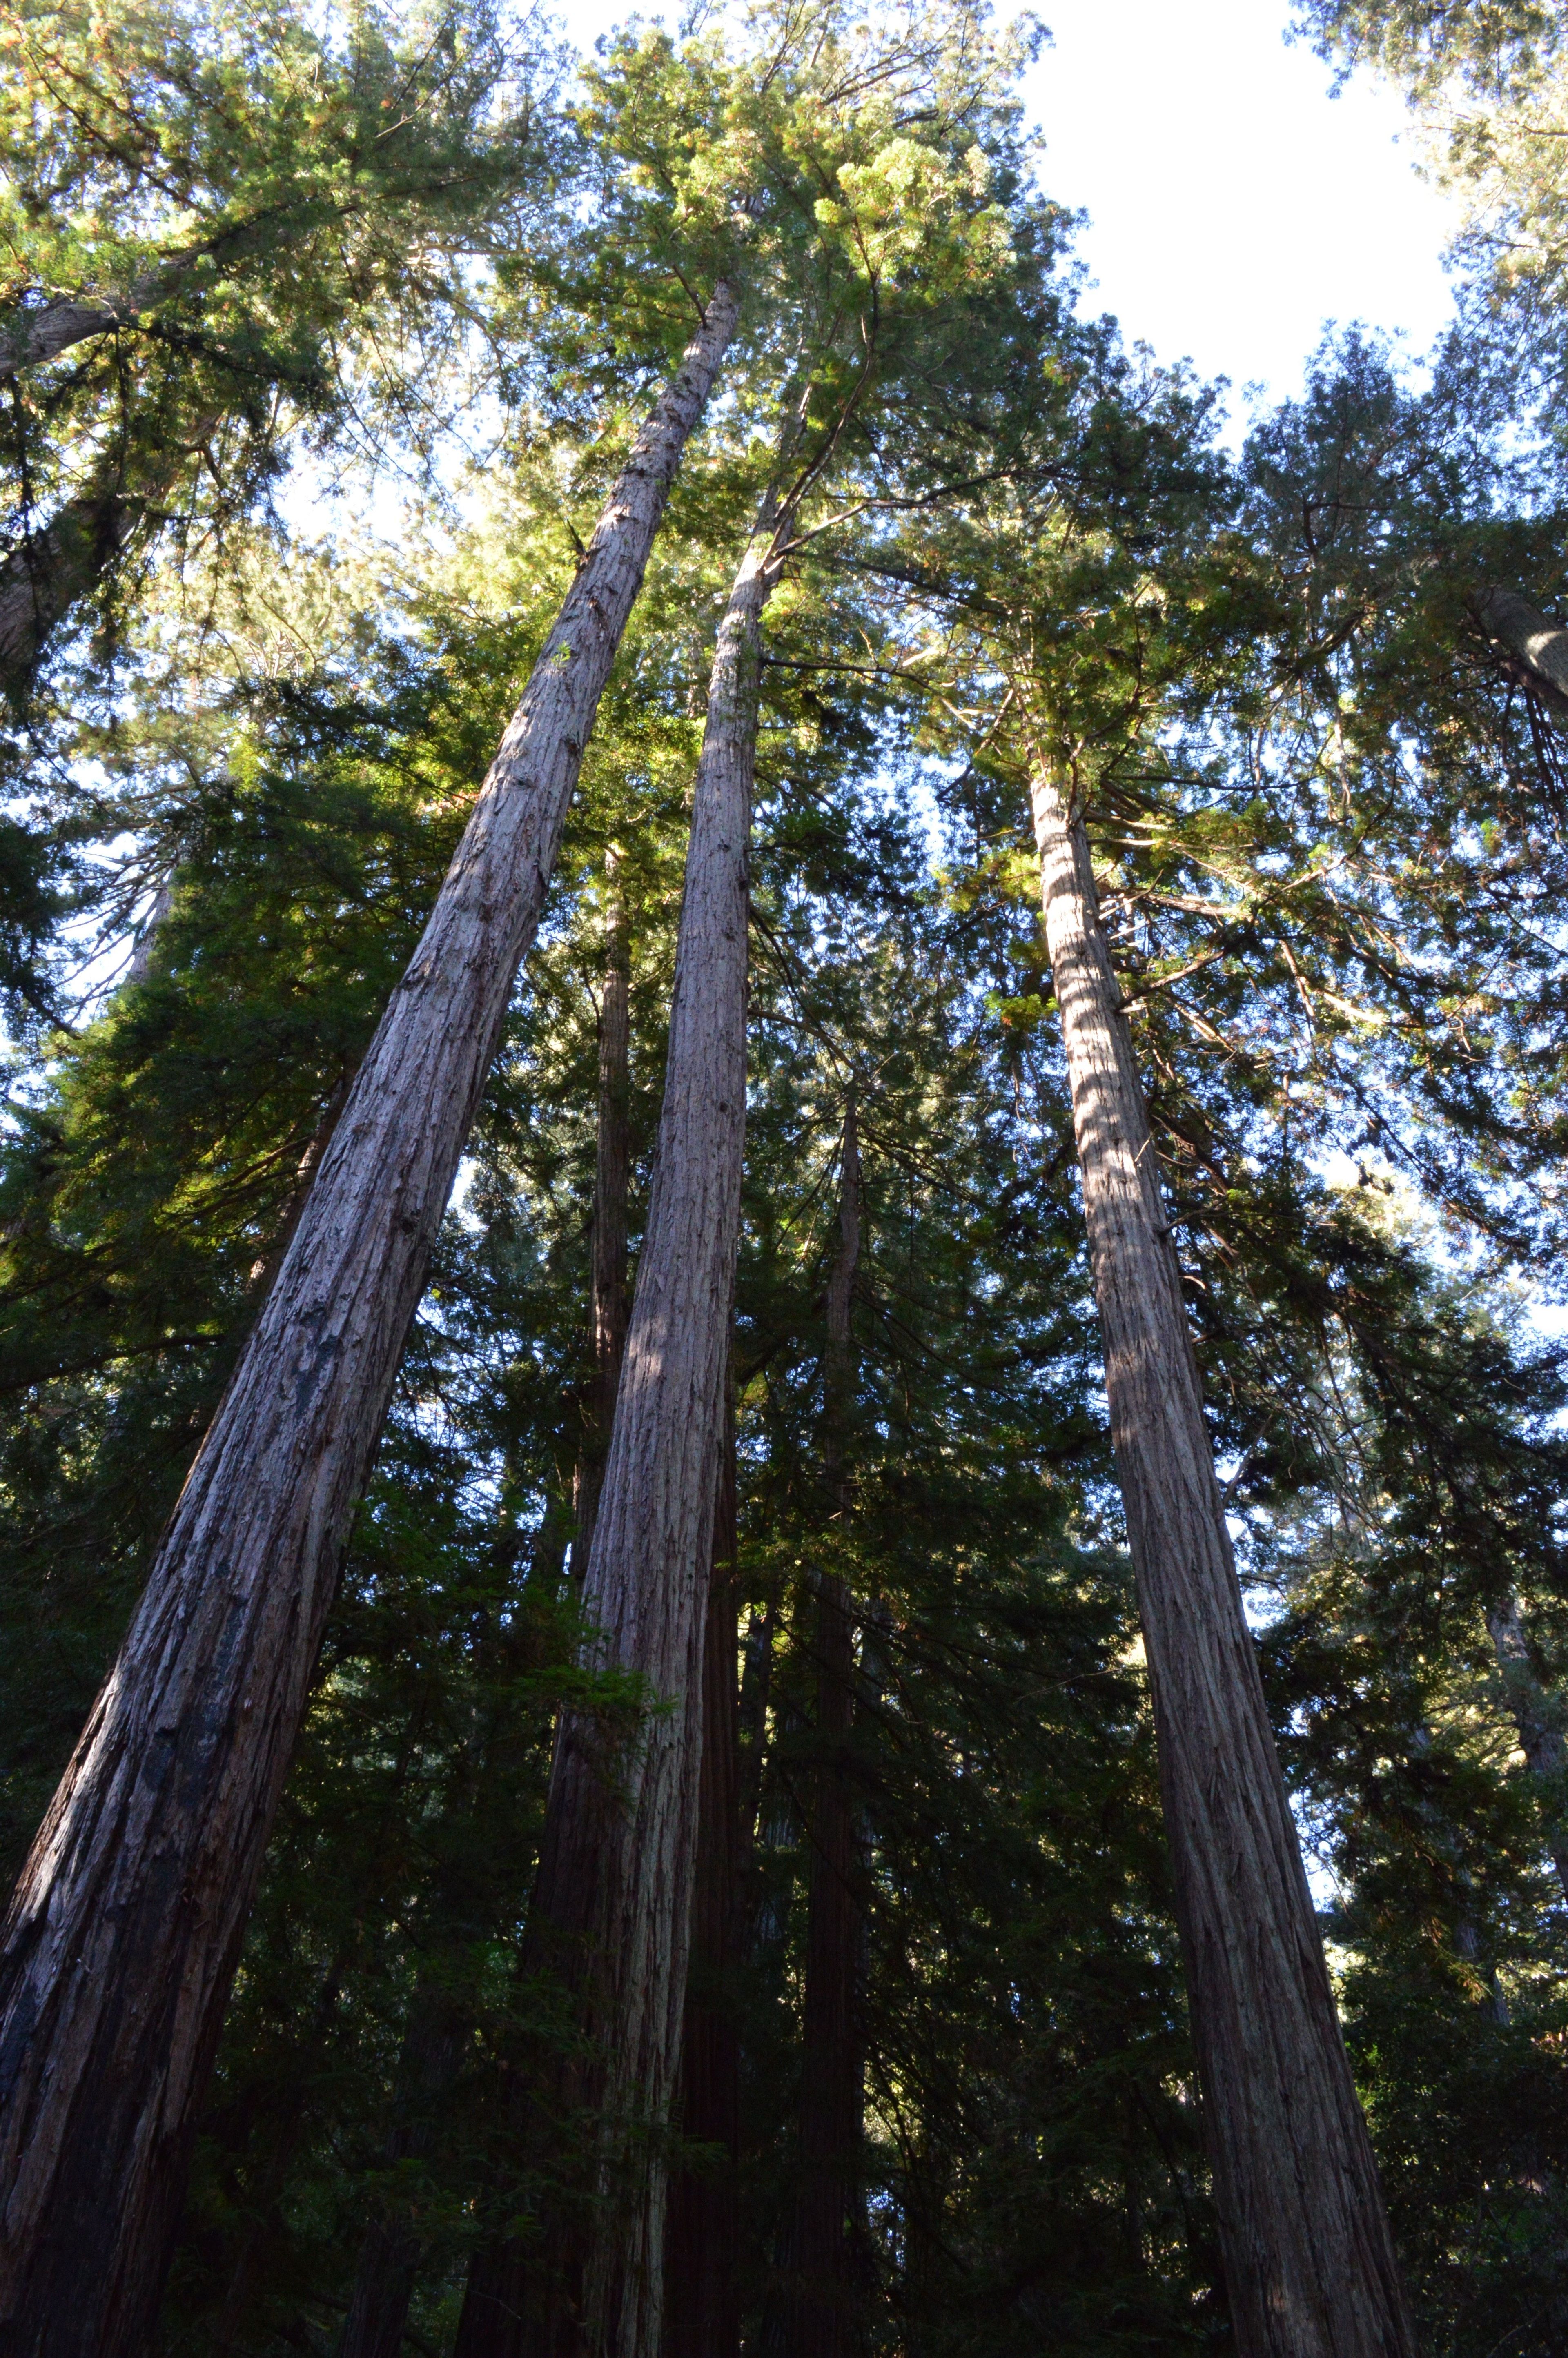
[(1234, 207)]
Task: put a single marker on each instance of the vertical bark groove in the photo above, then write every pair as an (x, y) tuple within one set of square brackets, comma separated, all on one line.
[(1309, 2262), (124, 1929), (612, 1181)]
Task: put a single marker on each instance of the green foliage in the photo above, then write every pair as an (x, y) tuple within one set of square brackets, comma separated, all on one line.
[(1488, 85), (1326, 826)]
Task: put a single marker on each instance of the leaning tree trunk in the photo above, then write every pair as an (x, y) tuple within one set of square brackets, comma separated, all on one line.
[(126, 1927), (30, 338), (812, 2314), (611, 1914), (611, 1183), (702, 2318), (52, 571), (1541, 1739), (1309, 2263)]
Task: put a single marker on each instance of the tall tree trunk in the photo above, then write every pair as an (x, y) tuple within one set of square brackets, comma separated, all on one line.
[(1534, 650), (813, 2314), (46, 329), (1540, 1740), (53, 569), (1309, 2262), (611, 1183), (123, 1936), (391, 2249), (611, 1909), (752, 1723), (702, 2250)]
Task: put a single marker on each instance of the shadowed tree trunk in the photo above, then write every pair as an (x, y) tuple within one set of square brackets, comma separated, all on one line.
[(1309, 2263), (44, 331), (702, 2253), (1541, 1739), (812, 2314), (390, 2253), (612, 1182), (286, 2110), (54, 569), (611, 1909), (124, 1930), (756, 1694)]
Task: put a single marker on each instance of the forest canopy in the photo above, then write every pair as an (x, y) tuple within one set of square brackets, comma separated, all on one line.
[(783, 1546)]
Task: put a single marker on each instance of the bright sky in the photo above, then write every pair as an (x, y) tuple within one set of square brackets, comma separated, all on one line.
[(1234, 206)]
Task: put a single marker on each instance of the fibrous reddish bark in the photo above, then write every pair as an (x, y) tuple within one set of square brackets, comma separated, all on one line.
[(124, 1930), (1310, 2266), (812, 2314), (612, 1905), (609, 1307)]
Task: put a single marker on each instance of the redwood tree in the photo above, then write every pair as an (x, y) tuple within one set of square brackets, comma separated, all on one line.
[(611, 1914), (1310, 2265), (123, 1935), (608, 1305)]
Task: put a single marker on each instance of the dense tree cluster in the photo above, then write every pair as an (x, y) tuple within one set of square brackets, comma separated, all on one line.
[(783, 1561)]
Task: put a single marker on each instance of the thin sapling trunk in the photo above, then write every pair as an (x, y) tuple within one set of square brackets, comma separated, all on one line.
[(390, 2253)]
